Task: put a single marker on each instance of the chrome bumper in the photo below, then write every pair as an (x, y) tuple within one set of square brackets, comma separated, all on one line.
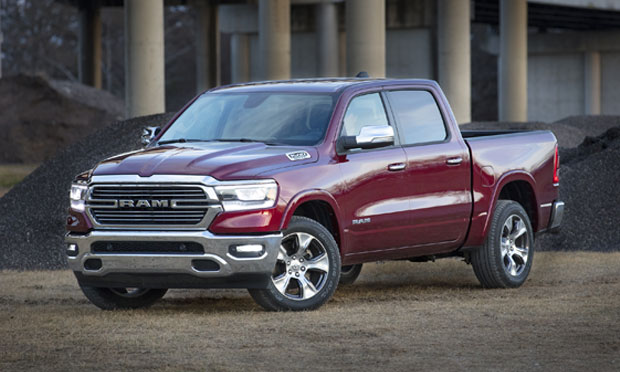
[(557, 213), (161, 265)]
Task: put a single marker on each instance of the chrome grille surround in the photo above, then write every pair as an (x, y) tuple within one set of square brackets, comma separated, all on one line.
[(189, 203)]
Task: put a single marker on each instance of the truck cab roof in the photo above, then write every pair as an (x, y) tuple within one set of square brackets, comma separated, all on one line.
[(317, 85)]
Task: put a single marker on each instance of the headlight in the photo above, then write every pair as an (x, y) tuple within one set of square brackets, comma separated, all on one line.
[(248, 196), (78, 196)]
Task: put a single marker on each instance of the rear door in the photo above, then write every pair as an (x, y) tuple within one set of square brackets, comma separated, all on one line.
[(375, 202), (437, 174)]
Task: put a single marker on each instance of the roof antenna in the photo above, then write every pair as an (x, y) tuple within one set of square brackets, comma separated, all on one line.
[(362, 74)]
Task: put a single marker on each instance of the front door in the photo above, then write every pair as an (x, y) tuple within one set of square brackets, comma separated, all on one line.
[(375, 201)]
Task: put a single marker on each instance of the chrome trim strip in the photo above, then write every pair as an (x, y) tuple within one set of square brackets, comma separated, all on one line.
[(546, 205)]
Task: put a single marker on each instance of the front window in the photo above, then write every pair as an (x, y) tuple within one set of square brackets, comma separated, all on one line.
[(273, 118)]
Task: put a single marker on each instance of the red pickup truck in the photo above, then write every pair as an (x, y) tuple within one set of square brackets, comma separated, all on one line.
[(286, 188)]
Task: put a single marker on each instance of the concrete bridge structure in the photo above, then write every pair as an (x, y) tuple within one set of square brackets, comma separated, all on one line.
[(555, 57)]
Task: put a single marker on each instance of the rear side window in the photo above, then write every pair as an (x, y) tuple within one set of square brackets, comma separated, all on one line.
[(418, 116), (363, 111)]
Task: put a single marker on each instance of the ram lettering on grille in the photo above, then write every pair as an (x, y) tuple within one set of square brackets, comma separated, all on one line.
[(144, 205)]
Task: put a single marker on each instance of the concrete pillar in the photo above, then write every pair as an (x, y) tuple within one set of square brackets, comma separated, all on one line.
[(592, 83), (240, 58), (365, 25), (513, 60), (144, 57), (454, 56), (274, 38), (1, 39), (327, 39), (207, 45), (89, 66)]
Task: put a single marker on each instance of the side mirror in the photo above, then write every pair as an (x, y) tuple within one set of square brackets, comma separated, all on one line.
[(148, 133), (370, 137)]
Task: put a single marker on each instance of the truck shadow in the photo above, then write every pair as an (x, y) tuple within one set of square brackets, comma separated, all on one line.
[(227, 301)]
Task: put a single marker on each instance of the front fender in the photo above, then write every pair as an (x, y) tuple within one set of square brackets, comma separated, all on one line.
[(306, 196)]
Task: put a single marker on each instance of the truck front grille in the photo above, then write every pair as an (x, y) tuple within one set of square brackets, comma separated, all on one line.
[(149, 205)]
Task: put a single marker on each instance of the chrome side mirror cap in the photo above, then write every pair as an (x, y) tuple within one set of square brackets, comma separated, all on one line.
[(370, 137), (148, 133)]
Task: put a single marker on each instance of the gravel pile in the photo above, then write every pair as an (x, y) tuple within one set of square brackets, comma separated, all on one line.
[(34, 211), (40, 117), (589, 177)]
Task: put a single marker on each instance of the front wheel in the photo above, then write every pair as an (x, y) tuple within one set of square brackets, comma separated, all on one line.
[(505, 259), (307, 269), (122, 298)]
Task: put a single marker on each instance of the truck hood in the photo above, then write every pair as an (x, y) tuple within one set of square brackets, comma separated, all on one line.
[(222, 160)]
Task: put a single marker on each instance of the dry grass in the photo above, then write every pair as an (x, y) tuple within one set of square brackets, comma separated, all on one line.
[(398, 316), (12, 174)]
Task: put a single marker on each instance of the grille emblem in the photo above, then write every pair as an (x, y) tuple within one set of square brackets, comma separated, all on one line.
[(143, 203)]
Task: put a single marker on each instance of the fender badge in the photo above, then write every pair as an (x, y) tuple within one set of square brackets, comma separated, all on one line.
[(298, 155)]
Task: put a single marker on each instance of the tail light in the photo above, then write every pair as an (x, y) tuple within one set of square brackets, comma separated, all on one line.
[(556, 166)]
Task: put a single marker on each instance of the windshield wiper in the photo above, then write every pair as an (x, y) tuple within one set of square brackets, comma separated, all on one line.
[(181, 140)]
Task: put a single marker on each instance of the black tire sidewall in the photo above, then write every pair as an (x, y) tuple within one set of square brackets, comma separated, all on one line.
[(349, 277), (106, 299), (494, 243)]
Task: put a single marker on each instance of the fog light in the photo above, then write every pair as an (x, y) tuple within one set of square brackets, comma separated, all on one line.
[(72, 250), (93, 264), (247, 250)]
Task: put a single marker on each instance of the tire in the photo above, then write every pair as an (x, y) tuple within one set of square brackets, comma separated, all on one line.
[(505, 259), (348, 274), (307, 269), (122, 298)]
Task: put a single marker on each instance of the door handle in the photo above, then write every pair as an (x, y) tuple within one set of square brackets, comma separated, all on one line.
[(396, 167), (454, 161)]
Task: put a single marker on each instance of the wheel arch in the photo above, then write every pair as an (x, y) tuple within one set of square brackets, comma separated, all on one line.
[(317, 205), (518, 186)]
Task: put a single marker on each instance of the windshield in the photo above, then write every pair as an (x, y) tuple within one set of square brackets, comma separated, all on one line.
[(273, 118)]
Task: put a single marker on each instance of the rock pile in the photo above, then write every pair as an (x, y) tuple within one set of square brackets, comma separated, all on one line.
[(34, 211)]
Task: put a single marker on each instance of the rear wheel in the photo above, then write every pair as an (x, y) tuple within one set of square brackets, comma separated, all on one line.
[(505, 259), (122, 298), (349, 273), (307, 269)]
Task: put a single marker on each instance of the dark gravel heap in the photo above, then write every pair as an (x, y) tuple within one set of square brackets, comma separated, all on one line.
[(589, 178), (34, 211)]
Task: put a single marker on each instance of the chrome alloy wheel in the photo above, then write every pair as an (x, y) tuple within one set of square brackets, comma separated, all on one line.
[(515, 245), (302, 266), (129, 292)]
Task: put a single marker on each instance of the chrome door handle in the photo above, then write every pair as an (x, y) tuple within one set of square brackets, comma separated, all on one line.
[(454, 161), (396, 167)]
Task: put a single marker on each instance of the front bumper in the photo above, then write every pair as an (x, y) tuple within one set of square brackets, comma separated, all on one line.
[(172, 270)]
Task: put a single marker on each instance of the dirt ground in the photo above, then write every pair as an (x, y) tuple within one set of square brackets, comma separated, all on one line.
[(398, 316)]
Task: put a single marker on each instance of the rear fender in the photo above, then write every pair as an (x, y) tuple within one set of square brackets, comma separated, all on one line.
[(476, 238)]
